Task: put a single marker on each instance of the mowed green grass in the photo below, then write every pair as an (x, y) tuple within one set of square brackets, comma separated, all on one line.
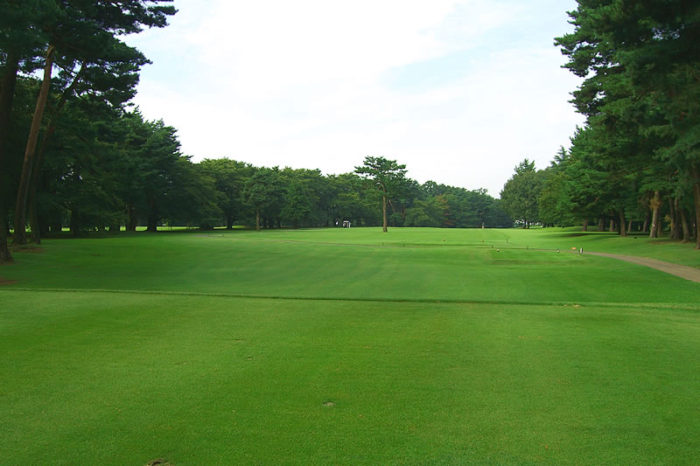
[(416, 347), (491, 266)]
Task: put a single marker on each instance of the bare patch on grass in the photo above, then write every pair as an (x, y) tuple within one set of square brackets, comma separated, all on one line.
[(29, 248), (159, 462), (4, 281)]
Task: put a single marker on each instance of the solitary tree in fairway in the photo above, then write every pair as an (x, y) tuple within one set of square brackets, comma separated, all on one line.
[(387, 174)]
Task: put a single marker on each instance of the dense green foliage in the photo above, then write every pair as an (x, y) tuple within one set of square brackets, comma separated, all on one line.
[(637, 160), (414, 347), (97, 74), (635, 165), (106, 169), (520, 194)]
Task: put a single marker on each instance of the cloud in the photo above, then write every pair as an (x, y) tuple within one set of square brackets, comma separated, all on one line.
[(457, 90)]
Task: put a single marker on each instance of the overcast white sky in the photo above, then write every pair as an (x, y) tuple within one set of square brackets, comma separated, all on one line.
[(458, 90)]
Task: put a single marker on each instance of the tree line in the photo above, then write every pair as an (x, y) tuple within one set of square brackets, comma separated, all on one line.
[(635, 164), (111, 170), (107, 169), (74, 153)]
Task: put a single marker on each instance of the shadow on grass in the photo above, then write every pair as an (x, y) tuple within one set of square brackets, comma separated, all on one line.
[(578, 234)]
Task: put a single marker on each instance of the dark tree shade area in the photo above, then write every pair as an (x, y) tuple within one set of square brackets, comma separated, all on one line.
[(635, 165)]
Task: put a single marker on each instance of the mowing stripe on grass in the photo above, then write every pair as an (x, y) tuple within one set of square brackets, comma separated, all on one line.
[(669, 306)]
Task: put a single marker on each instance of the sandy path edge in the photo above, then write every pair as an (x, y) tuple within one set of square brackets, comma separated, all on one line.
[(683, 271)]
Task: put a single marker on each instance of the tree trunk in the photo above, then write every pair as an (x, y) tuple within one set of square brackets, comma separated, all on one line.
[(629, 226), (75, 222), (684, 226), (5, 255), (257, 219), (611, 226), (56, 227), (152, 225), (152, 222), (655, 203), (34, 217), (229, 222), (384, 224), (695, 172), (44, 224), (621, 214), (675, 223), (584, 227), (152, 219), (601, 224), (133, 219), (130, 217), (39, 158), (645, 225), (25, 179), (7, 93)]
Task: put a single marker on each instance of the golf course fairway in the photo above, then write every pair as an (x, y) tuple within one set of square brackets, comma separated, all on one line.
[(349, 346)]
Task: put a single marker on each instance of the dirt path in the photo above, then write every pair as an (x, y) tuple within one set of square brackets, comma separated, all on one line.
[(683, 271)]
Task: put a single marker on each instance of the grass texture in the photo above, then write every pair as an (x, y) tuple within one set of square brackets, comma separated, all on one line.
[(421, 346)]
